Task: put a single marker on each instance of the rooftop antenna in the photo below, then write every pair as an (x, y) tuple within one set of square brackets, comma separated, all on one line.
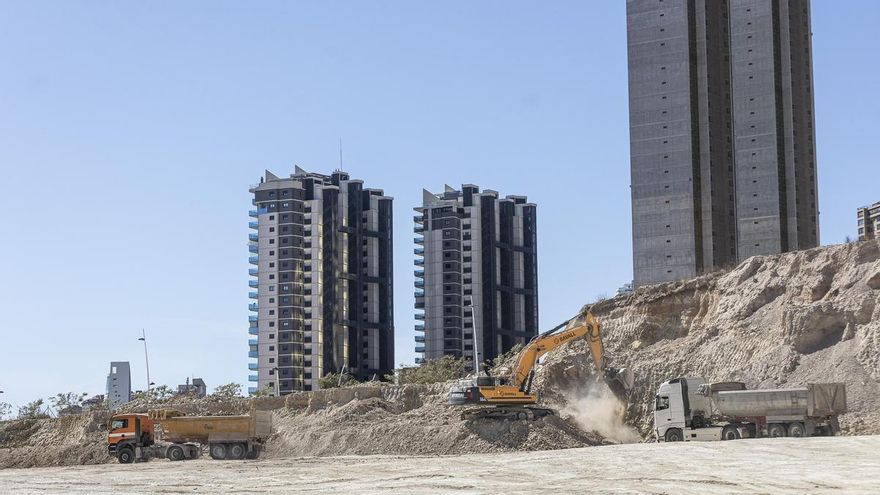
[(340, 153)]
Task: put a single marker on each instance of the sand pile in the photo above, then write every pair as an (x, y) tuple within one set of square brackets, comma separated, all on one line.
[(773, 321), (62, 441), (412, 419)]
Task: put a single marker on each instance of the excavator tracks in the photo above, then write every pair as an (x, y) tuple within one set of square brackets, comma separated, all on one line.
[(508, 413)]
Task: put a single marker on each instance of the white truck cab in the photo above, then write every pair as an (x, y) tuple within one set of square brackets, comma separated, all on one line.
[(680, 412)]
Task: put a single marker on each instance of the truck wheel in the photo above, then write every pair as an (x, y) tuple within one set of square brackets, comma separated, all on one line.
[(125, 455), (237, 451), (673, 435), (254, 453), (175, 453), (776, 430), (796, 430), (218, 451), (730, 432)]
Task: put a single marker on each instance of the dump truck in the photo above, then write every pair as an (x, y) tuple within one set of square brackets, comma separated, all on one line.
[(173, 435), (689, 409)]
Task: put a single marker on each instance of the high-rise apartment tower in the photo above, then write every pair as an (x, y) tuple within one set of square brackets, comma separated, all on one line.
[(476, 273), (722, 134), (322, 250)]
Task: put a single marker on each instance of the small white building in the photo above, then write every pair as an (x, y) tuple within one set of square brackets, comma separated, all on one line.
[(119, 384)]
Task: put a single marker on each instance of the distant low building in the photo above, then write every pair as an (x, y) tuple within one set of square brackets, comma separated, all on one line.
[(119, 384), (869, 221), (95, 402), (197, 388), (625, 289)]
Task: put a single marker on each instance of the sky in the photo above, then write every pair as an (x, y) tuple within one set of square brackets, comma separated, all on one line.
[(131, 131)]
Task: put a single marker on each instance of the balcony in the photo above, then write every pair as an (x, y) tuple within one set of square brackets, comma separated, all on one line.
[(258, 212), (254, 225), (420, 327), (252, 390), (253, 283), (420, 360), (252, 354), (252, 378), (420, 339), (420, 348), (419, 251), (419, 305), (253, 272), (253, 295), (253, 307), (252, 318), (420, 316), (419, 240), (420, 284), (419, 218), (419, 273), (253, 248), (252, 366), (419, 293), (253, 330), (419, 262), (254, 260), (418, 229), (252, 342), (254, 237)]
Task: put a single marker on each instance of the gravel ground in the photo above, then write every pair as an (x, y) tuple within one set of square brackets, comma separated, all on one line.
[(796, 466)]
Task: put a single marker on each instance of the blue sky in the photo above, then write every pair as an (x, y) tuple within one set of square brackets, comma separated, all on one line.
[(129, 133)]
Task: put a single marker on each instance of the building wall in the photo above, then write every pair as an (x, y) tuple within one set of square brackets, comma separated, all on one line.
[(868, 221), (721, 133), (325, 280), (119, 384), (478, 273)]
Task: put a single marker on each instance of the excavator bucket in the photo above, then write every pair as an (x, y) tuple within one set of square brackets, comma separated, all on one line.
[(620, 381)]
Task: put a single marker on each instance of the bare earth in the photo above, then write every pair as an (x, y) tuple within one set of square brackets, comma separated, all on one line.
[(814, 465)]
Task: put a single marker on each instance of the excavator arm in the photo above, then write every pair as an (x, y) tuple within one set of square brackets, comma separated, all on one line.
[(583, 325)]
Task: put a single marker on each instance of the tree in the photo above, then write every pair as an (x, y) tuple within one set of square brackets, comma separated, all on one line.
[(32, 410), (335, 380), (5, 409), (228, 391), (433, 371), (66, 400), (155, 394)]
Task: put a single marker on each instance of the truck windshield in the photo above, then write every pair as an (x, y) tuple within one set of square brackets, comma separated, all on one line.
[(661, 403), (118, 424)]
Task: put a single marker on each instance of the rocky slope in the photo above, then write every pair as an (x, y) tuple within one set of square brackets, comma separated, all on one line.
[(773, 321)]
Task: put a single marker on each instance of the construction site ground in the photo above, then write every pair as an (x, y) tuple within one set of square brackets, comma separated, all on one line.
[(779, 465)]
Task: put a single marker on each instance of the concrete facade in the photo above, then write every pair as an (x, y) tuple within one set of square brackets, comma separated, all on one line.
[(721, 133), (118, 384), (476, 273), (322, 252), (868, 219)]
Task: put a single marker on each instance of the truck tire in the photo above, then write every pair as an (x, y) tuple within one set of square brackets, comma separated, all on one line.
[(776, 430), (125, 455), (254, 452), (796, 430), (730, 432), (673, 435), (217, 451), (237, 451), (175, 453)]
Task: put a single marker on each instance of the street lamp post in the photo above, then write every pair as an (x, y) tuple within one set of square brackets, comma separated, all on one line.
[(143, 338)]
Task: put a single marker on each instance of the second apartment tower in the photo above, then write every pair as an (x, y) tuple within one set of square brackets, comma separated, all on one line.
[(476, 273), (722, 137), (322, 250)]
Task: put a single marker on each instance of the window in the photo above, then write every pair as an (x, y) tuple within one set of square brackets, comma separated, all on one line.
[(271, 347), (661, 403), (271, 229), (119, 424), (271, 335), (271, 217)]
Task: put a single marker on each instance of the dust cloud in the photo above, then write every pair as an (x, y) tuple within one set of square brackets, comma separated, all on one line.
[(600, 411)]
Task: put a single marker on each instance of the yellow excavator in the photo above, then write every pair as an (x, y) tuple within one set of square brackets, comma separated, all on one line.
[(508, 397)]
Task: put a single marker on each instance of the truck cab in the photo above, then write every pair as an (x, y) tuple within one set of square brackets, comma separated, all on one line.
[(679, 405), (128, 432)]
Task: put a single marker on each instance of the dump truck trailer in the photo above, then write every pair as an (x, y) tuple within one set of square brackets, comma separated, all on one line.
[(173, 435), (689, 409)]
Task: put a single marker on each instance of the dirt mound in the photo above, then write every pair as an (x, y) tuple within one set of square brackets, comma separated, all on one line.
[(408, 420), (773, 321), (54, 442)]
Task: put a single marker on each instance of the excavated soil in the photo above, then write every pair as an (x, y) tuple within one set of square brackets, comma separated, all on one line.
[(773, 321)]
